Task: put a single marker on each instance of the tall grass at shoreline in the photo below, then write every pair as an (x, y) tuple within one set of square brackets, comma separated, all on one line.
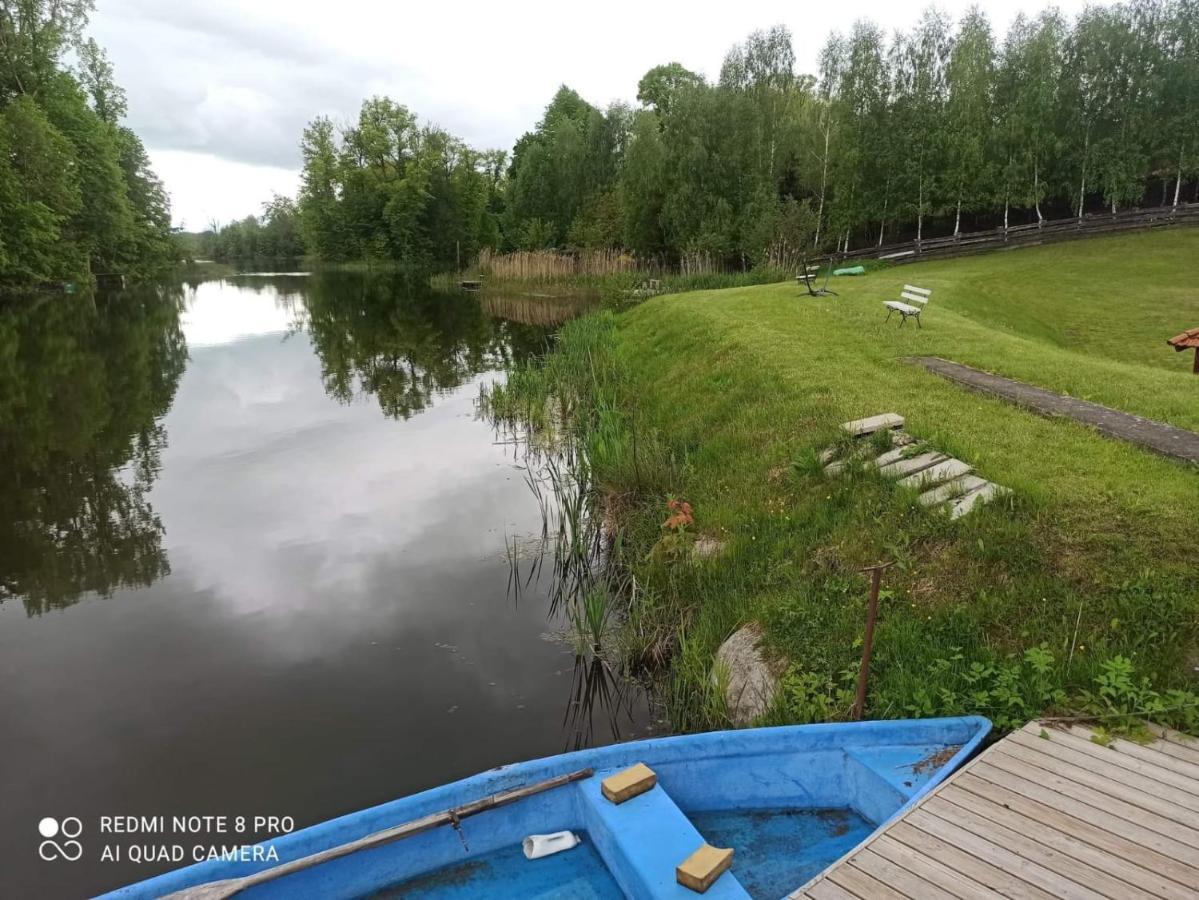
[(613, 275)]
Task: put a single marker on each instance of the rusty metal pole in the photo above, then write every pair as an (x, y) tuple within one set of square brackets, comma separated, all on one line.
[(876, 579)]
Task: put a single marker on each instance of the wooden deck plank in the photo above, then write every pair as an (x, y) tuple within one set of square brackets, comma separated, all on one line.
[(1149, 753), (952, 831), (1004, 883), (1122, 754), (1111, 768), (826, 890), (1177, 745), (931, 870), (1087, 830), (1050, 858), (903, 880), (865, 886), (1050, 783), (966, 864), (1044, 813), (1052, 764), (1125, 876)]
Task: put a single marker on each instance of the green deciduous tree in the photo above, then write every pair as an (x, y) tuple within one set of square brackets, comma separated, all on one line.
[(969, 118), (939, 127), (76, 189)]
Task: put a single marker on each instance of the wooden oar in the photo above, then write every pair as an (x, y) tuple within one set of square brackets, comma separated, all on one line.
[(218, 890)]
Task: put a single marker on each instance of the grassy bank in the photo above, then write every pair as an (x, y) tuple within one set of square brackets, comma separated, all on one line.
[(1076, 593)]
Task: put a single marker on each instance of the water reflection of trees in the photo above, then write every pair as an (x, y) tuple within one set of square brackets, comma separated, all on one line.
[(405, 343), (83, 381)]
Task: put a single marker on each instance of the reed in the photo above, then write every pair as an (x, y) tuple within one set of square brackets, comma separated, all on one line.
[(553, 265), (556, 265), (544, 311)]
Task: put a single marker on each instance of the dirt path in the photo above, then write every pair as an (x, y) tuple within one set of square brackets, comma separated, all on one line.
[(1167, 440)]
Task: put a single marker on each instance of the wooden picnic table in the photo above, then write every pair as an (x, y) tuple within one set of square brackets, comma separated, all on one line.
[(1188, 340)]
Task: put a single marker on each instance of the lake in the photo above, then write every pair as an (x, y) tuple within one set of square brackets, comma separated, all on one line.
[(253, 562)]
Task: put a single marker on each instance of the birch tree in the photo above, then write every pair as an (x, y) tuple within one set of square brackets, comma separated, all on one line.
[(1030, 73), (969, 119), (919, 61), (861, 174), (832, 62), (1178, 145)]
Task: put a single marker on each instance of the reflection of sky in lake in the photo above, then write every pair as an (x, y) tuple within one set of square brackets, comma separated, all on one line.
[(220, 312), (335, 631), (274, 468)]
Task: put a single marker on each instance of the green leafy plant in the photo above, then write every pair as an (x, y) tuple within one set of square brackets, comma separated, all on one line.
[(1125, 701), (1009, 693), (813, 697)]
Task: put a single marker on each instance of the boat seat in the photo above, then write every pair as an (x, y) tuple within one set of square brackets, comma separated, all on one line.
[(643, 840)]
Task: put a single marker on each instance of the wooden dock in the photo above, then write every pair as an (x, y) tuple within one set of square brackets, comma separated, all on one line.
[(1046, 812)]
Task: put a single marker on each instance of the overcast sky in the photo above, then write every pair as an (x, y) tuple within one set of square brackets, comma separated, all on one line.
[(220, 91)]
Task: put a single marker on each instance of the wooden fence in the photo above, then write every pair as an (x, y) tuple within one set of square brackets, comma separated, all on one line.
[(550, 265), (1030, 235)]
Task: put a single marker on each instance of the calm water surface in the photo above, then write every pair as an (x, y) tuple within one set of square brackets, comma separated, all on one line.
[(252, 562)]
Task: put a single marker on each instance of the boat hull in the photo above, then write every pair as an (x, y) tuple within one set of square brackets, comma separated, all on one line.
[(871, 771)]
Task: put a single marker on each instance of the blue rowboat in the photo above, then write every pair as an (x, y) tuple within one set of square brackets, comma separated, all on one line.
[(789, 801)]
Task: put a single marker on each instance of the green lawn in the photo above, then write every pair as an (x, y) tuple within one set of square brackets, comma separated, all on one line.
[(1094, 556), (1118, 298)]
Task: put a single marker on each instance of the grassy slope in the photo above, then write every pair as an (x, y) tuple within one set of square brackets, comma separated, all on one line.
[(1096, 551)]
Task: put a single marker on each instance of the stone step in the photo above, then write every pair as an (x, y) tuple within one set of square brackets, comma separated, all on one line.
[(892, 456), (863, 427), (942, 471), (951, 489), (974, 498), (912, 464)]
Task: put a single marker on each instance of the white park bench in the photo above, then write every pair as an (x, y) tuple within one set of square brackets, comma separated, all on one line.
[(807, 276), (914, 295)]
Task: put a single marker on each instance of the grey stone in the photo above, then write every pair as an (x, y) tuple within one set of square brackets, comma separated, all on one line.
[(976, 497), (912, 464), (951, 489), (942, 471), (861, 427), (753, 678), (893, 456)]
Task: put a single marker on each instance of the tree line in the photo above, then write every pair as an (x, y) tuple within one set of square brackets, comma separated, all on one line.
[(273, 234), (77, 193), (936, 129)]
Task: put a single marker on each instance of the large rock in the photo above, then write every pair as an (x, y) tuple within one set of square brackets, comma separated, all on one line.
[(753, 676)]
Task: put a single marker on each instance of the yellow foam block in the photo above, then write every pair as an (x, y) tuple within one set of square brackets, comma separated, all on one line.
[(628, 784), (701, 869)]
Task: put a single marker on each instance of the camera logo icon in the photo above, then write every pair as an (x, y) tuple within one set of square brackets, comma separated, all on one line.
[(67, 830)]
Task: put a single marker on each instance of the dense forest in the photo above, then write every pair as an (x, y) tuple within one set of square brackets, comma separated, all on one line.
[(77, 193), (940, 128), (273, 234)]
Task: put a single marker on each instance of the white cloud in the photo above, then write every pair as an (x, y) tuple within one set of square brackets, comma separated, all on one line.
[(234, 83), (206, 188)]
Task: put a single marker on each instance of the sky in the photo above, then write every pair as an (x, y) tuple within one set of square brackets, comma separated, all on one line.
[(220, 91)]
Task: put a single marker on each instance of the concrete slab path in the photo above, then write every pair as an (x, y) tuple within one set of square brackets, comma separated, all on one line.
[(1178, 443)]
